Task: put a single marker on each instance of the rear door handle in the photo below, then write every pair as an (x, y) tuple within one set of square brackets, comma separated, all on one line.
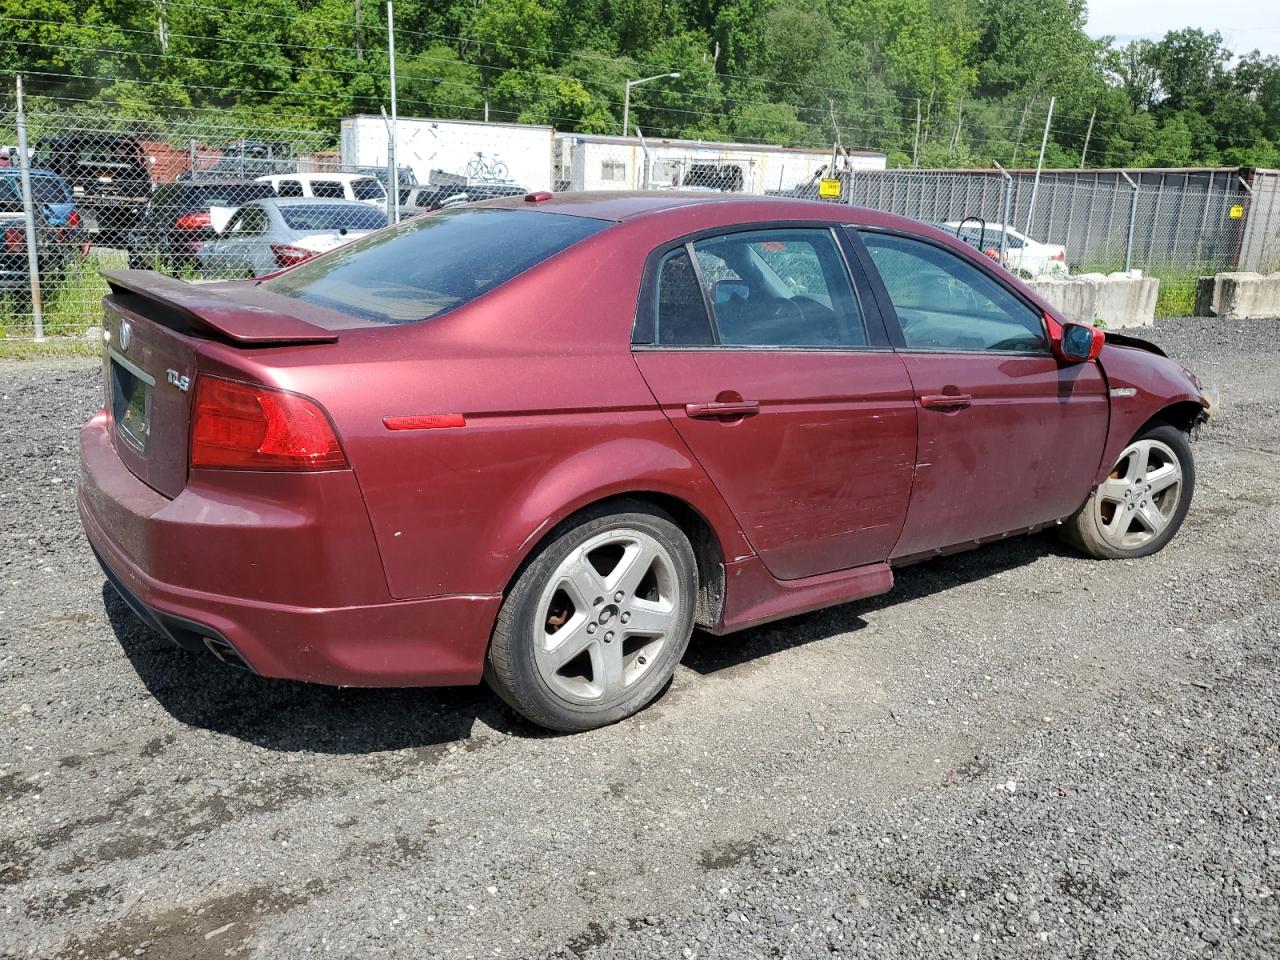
[(719, 409), (942, 401)]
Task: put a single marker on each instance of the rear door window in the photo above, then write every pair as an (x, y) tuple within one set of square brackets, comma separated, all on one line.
[(780, 288), (428, 265), (324, 216)]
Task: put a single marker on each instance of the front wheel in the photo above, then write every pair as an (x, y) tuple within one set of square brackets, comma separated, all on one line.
[(595, 625), (499, 170), (1141, 504)]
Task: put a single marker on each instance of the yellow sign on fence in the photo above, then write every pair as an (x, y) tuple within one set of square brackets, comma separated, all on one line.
[(1237, 211), (829, 189)]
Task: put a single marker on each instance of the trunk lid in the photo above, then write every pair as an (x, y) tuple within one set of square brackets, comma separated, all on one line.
[(153, 327)]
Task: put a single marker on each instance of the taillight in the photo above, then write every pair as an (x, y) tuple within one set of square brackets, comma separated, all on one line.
[(15, 241), (246, 427), (288, 256), (1060, 256), (73, 221), (194, 221)]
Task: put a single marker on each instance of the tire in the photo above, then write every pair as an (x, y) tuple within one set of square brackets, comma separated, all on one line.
[(620, 583), (475, 170), (1151, 485), (498, 171)]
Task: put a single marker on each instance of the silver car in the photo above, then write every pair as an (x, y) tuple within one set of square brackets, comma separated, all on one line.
[(268, 235)]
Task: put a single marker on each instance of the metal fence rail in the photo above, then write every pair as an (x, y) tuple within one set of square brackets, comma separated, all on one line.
[(175, 194)]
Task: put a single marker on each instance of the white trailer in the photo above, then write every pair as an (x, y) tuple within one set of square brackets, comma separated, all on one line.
[(594, 162), (454, 150)]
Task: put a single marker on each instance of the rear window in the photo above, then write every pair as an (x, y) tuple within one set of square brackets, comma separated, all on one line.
[(367, 188), (431, 264), (333, 216), (204, 196), (44, 189)]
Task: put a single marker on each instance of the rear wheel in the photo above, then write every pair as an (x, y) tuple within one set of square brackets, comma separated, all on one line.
[(597, 622), (1141, 504)]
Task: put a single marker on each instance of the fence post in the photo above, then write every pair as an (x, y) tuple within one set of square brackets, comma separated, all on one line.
[(28, 208), (1133, 220), (1004, 211)]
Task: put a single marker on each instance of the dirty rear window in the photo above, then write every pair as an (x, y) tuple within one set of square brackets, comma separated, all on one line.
[(431, 264)]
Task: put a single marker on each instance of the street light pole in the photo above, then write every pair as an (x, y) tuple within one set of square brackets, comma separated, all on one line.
[(626, 97)]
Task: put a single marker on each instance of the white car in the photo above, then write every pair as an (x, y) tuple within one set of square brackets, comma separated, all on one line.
[(329, 186), (1023, 256), (268, 235)]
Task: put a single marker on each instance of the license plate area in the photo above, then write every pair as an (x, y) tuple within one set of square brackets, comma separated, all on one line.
[(131, 388)]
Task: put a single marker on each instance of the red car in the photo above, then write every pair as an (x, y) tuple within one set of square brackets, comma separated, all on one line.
[(540, 439)]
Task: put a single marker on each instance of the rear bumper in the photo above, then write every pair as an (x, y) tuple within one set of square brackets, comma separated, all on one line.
[(137, 536)]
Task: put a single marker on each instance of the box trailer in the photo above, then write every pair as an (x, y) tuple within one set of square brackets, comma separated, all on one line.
[(452, 151), (594, 162)]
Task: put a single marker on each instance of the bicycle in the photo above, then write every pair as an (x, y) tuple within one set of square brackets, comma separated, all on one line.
[(480, 169)]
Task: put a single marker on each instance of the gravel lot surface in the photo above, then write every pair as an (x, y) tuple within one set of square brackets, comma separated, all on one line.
[(1018, 752)]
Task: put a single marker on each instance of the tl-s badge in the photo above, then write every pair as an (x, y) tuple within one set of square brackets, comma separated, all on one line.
[(183, 383)]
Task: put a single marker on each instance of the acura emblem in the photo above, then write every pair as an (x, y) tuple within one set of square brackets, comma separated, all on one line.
[(126, 334)]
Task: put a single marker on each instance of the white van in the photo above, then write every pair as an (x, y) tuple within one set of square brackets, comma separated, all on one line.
[(329, 186)]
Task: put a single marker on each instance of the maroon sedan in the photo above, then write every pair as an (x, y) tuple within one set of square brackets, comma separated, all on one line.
[(539, 440)]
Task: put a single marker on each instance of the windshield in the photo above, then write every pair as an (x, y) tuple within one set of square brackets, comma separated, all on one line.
[(431, 264), (333, 216)]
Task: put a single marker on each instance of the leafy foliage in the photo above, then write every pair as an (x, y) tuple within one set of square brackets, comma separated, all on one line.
[(936, 82)]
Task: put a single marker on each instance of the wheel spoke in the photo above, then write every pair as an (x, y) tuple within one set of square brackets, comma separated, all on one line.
[(635, 563), (583, 584), (649, 619), (606, 667), (569, 641), (1138, 461), (1114, 489), (1149, 516), (1163, 478)]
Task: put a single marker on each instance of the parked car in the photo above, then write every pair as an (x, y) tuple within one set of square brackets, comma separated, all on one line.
[(182, 217), (245, 160), (49, 192), (53, 250), (268, 235), (109, 179), (431, 198), (539, 439), (1023, 256), (329, 186)]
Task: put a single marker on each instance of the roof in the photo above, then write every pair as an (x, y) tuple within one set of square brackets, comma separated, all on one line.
[(605, 138), (620, 206), (310, 202)]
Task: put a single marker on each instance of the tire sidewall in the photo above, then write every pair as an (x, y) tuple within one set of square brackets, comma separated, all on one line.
[(532, 694)]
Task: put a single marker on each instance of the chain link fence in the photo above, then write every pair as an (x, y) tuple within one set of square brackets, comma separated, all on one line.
[(206, 195)]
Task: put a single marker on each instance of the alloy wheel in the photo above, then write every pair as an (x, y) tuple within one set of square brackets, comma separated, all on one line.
[(1139, 499), (605, 615)]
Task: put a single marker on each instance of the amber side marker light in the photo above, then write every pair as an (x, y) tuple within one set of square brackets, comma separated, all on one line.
[(243, 426), (429, 421)]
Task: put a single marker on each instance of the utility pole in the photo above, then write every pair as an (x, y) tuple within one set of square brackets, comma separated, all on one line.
[(915, 143), (955, 139), (1022, 122), (1087, 134), (359, 34), (626, 96), (393, 198), (1035, 184)]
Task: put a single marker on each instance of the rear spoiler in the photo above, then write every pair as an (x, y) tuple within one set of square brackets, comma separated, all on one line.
[(240, 313)]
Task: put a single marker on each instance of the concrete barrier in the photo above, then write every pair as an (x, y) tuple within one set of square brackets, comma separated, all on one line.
[(1238, 296), (1117, 299)]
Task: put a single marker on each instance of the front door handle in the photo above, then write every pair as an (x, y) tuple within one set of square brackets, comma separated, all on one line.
[(944, 401), (722, 409)]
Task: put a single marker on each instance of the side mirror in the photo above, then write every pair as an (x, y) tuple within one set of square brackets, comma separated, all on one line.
[(1079, 343), (722, 291)]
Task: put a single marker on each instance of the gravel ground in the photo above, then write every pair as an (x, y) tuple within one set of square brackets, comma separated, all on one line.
[(1018, 752)]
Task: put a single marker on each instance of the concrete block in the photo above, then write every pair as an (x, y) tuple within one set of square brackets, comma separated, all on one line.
[(1117, 299), (1239, 296)]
